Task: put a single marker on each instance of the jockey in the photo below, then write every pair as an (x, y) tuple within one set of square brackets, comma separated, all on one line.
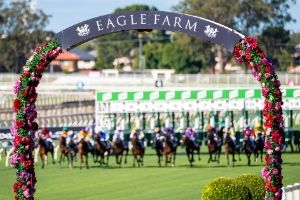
[(104, 137), (158, 133), (140, 135), (259, 131), (86, 136), (249, 135), (65, 132), (45, 135), (119, 136), (190, 133), (171, 135)]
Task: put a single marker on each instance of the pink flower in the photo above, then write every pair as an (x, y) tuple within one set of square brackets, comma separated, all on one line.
[(267, 75), (277, 149), (14, 130), (265, 173), (265, 91), (26, 193), (275, 171), (270, 151), (14, 159), (17, 86)]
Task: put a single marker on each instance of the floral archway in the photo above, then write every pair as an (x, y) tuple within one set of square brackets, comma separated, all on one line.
[(246, 50)]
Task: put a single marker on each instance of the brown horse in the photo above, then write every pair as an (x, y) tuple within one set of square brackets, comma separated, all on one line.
[(213, 148), (118, 149), (66, 151), (169, 151), (230, 148), (43, 151), (190, 147), (83, 150), (101, 151), (259, 147), (137, 150), (248, 147)]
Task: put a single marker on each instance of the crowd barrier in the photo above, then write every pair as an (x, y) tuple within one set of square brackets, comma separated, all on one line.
[(291, 192)]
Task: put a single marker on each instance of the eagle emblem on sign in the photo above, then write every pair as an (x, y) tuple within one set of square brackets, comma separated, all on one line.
[(210, 31), (83, 30)]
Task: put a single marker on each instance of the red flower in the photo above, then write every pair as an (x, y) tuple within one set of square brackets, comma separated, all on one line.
[(39, 69), (27, 164), (26, 74), (20, 124), (248, 57), (17, 105), (267, 158), (17, 185), (268, 68)]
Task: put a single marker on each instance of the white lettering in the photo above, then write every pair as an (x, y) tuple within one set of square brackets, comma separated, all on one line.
[(109, 22), (123, 22), (166, 20), (132, 21), (143, 18), (156, 18), (177, 21), (188, 25), (99, 25)]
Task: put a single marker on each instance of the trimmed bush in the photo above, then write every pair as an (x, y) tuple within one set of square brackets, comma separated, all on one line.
[(255, 183), (224, 188)]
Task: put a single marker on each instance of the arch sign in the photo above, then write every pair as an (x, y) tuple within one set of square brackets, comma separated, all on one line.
[(244, 50)]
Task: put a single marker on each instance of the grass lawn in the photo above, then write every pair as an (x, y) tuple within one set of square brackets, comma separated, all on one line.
[(148, 182)]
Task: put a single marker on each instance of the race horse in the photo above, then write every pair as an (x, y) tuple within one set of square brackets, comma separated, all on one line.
[(190, 148), (119, 147), (214, 147), (138, 150), (259, 147), (164, 146), (83, 151), (248, 148), (230, 148), (101, 150), (67, 151), (44, 149)]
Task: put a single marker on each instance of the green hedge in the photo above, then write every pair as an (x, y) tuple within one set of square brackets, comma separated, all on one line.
[(255, 183), (224, 188)]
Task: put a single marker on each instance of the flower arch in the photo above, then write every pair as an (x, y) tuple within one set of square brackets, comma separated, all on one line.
[(246, 50)]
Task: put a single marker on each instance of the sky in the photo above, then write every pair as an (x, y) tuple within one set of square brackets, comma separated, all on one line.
[(65, 13)]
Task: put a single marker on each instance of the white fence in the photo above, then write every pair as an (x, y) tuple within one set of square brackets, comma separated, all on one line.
[(291, 192)]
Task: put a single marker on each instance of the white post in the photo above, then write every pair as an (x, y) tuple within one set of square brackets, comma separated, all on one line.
[(296, 191)]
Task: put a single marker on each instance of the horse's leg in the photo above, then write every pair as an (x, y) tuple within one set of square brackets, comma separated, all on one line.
[(52, 155), (198, 152), (121, 158), (158, 161), (86, 161), (61, 155), (209, 159), (239, 153), (107, 158), (261, 155), (166, 162), (56, 152), (42, 160), (134, 158), (227, 155), (46, 159), (80, 160), (36, 153), (233, 160), (126, 154)]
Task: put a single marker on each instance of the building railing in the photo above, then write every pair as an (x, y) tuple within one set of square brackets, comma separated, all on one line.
[(291, 192), (184, 80)]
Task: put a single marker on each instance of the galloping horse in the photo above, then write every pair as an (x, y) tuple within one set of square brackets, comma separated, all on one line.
[(118, 149), (43, 151), (83, 150), (66, 151), (101, 150), (259, 147), (138, 150), (229, 148), (190, 147), (213, 147), (248, 147), (169, 151)]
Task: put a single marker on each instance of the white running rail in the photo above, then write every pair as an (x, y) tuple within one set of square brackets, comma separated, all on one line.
[(291, 192)]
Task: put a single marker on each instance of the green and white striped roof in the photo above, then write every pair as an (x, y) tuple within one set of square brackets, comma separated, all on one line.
[(210, 94)]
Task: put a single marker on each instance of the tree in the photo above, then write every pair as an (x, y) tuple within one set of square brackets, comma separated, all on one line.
[(20, 34), (120, 44), (275, 41), (246, 16)]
